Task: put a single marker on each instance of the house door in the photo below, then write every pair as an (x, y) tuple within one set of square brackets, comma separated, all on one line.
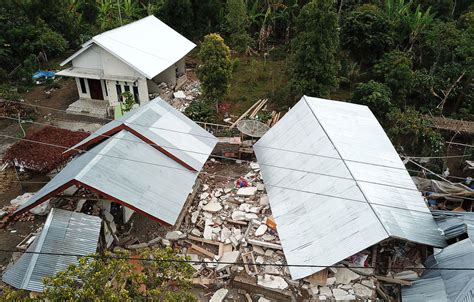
[(96, 89)]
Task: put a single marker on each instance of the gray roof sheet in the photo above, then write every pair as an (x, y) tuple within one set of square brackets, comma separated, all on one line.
[(446, 285), (64, 232), (131, 172), (454, 224), (166, 127), (337, 186)]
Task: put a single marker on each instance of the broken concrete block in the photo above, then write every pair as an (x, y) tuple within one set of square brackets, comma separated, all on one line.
[(270, 281), (205, 187), (330, 281), (254, 166), (261, 230), (258, 250), (260, 187), (247, 191), (212, 207), (245, 207), (225, 234), (250, 216), (194, 217), (207, 232), (196, 232), (325, 291), (219, 295), (255, 210), (369, 283), (345, 276), (175, 235), (204, 195), (262, 299), (228, 258), (268, 237), (268, 253), (259, 260), (263, 200), (179, 94), (238, 215), (322, 298), (362, 291), (165, 242), (272, 270)]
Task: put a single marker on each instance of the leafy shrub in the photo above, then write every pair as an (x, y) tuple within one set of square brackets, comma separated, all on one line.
[(200, 111), (376, 96)]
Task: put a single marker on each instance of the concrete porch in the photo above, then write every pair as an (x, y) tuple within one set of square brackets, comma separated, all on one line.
[(91, 107)]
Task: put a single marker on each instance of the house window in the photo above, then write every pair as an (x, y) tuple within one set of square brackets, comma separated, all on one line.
[(83, 85), (127, 88), (119, 91), (135, 94)]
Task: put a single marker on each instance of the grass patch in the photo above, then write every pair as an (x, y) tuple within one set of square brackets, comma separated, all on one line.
[(256, 78)]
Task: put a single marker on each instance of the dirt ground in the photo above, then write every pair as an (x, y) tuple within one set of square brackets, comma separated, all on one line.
[(15, 232)]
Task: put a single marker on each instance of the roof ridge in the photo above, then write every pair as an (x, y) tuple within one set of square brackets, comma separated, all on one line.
[(347, 167)]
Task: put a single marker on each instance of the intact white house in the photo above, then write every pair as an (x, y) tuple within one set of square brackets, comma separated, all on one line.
[(136, 57)]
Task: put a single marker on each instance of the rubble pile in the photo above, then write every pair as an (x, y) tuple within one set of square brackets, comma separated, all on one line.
[(181, 98)]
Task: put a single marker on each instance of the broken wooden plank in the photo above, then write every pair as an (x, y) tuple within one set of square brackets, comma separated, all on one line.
[(198, 239), (203, 281), (318, 278), (245, 114), (236, 221), (201, 250), (264, 244), (393, 280)]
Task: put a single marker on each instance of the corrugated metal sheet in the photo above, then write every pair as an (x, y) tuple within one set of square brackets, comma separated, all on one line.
[(148, 181), (455, 224), (64, 232), (356, 191), (446, 285), (148, 45), (166, 127)]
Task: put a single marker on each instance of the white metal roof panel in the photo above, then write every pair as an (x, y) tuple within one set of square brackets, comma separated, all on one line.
[(338, 153), (166, 127), (147, 45), (133, 173), (65, 233)]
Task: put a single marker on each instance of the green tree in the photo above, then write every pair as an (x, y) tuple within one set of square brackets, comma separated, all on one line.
[(395, 68), (236, 25), (178, 14), (411, 134), (315, 63), (117, 278), (215, 70), (367, 33), (376, 96)]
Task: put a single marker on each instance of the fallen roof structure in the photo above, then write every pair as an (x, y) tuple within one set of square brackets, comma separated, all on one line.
[(454, 282), (126, 169), (336, 185), (455, 224), (64, 233), (157, 123), (148, 45)]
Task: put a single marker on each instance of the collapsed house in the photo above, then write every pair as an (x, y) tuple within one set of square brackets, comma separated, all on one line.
[(64, 233), (337, 186), (147, 161), (138, 57)]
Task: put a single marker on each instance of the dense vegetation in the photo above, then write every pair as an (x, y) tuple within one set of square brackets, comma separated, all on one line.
[(402, 58)]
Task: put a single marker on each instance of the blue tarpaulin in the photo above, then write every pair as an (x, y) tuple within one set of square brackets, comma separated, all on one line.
[(43, 74)]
